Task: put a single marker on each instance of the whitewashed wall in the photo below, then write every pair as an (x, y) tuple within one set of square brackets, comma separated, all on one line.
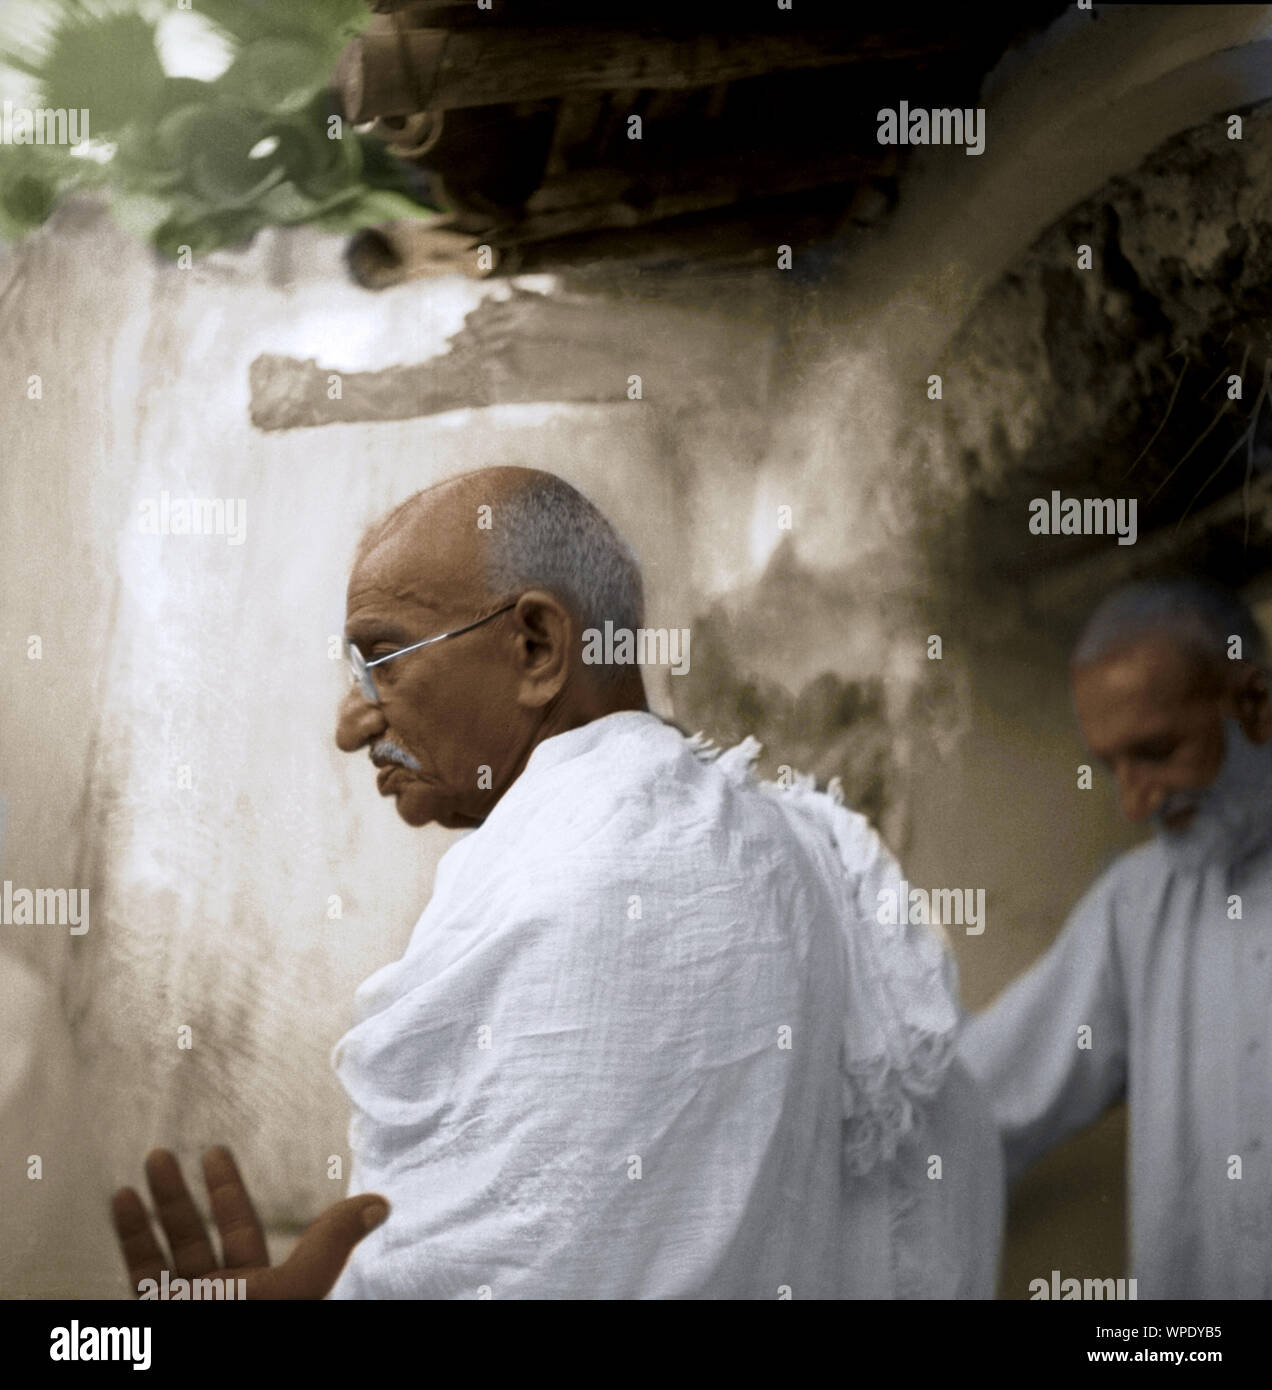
[(172, 748)]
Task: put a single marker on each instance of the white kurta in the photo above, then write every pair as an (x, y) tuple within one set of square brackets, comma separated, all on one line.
[(1177, 995), (649, 1041)]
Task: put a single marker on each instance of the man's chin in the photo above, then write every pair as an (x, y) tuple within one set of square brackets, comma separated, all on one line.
[(414, 803), (418, 807)]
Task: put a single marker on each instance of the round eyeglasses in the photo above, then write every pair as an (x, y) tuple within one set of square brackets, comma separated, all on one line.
[(360, 667)]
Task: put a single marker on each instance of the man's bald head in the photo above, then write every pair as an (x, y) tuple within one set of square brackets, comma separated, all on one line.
[(509, 528), (470, 710), (443, 510)]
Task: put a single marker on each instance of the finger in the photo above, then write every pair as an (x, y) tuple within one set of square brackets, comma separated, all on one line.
[(192, 1254), (142, 1256), (320, 1254), (242, 1239)]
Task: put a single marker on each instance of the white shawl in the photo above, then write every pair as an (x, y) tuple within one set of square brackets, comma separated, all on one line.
[(649, 1040)]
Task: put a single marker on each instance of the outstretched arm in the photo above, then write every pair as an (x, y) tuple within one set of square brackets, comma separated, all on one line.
[(1050, 1053)]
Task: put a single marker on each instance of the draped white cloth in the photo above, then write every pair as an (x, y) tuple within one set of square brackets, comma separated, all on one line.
[(649, 1040)]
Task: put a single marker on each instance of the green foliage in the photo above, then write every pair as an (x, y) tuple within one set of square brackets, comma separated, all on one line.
[(328, 23), (282, 75), (206, 164), (106, 64), (33, 179)]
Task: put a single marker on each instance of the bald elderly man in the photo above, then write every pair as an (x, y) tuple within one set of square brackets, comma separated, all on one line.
[(648, 1039), (1159, 987)]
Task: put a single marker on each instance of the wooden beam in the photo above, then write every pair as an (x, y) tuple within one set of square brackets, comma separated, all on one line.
[(596, 200), (445, 69)]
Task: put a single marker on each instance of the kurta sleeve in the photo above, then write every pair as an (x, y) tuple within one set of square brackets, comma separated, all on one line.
[(1050, 1052)]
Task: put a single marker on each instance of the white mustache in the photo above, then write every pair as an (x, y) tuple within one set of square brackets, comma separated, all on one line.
[(388, 751)]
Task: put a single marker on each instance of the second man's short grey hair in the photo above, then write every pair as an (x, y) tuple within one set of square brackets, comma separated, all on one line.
[(547, 535), (1197, 614)]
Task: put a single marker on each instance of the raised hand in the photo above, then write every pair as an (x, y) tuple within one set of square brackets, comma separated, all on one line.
[(309, 1271)]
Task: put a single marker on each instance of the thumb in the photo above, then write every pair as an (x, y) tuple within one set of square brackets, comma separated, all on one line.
[(320, 1254)]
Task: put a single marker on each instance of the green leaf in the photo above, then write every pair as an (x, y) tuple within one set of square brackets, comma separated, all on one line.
[(181, 91), (206, 233), (327, 21), (285, 204), (316, 164), (107, 65), (175, 138), (217, 144), (28, 200), (281, 75), (183, 171), (372, 208), (20, 64), (384, 205)]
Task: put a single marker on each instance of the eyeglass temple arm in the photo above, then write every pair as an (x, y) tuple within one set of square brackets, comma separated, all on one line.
[(441, 637)]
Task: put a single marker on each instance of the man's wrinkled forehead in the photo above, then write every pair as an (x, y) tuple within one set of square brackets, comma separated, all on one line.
[(394, 567), (420, 560)]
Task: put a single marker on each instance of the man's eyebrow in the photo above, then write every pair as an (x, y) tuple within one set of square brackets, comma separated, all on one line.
[(1149, 742), (1137, 747), (369, 633)]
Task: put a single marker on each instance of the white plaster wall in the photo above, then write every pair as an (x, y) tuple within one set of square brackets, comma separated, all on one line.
[(209, 903)]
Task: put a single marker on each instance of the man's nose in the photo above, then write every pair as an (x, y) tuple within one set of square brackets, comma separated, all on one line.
[(1139, 793), (357, 722)]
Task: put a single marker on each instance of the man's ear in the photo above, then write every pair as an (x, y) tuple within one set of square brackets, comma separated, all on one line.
[(546, 639), (1253, 699)]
